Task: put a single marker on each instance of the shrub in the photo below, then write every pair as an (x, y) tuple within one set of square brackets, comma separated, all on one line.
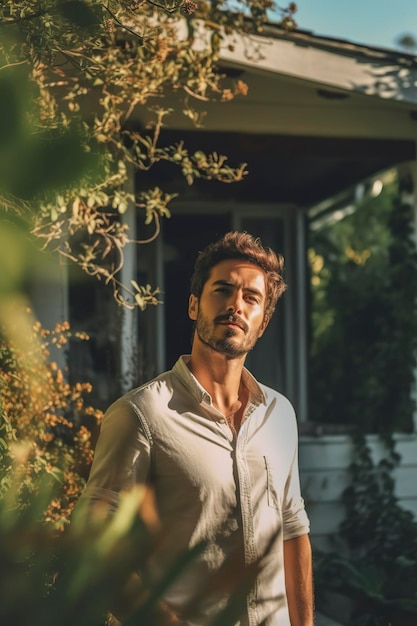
[(45, 423)]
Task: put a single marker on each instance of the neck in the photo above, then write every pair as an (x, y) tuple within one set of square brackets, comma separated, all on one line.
[(220, 376)]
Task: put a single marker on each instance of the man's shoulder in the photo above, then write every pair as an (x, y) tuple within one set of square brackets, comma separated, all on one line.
[(152, 388), (147, 403), (266, 396), (278, 401)]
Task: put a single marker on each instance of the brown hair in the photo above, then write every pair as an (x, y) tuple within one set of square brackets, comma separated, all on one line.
[(242, 245)]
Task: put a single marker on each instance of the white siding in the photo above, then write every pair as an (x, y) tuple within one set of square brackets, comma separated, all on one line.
[(324, 463)]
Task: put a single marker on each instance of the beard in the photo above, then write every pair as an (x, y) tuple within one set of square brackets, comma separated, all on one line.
[(228, 343)]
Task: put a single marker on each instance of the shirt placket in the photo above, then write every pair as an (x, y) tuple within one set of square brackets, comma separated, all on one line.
[(250, 550)]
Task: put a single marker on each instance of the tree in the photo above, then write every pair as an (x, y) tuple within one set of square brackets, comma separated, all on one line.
[(364, 322), (88, 69), (407, 42)]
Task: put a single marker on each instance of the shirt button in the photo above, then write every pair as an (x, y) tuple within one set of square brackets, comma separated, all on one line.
[(222, 421)]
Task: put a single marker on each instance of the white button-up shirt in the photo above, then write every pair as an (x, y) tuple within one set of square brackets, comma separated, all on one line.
[(238, 494)]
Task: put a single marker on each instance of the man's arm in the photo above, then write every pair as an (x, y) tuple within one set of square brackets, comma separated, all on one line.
[(299, 580)]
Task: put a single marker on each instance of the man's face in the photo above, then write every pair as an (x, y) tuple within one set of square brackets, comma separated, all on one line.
[(230, 313)]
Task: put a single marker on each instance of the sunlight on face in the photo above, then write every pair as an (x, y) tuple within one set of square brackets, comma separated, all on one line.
[(230, 314)]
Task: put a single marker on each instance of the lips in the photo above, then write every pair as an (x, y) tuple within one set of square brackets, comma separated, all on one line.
[(231, 320)]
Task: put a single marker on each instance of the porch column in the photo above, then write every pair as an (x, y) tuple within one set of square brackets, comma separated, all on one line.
[(129, 328), (409, 169), (302, 323), (49, 296), (49, 291)]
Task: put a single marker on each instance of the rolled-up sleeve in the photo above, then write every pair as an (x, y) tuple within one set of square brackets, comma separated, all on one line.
[(295, 519)]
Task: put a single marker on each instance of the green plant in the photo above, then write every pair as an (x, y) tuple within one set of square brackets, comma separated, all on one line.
[(375, 565), (76, 576), (45, 422), (364, 275), (364, 314), (379, 597), (66, 577), (86, 89)]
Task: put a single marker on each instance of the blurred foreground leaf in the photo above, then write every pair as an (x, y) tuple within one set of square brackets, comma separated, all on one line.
[(78, 12), (35, 160)]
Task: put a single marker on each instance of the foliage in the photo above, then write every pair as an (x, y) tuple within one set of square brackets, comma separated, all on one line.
[(75, 576), (407, 42), (67, 577), (86, 88), (363, 358), (380, 597), (45, 423), (364, 323), (378, 570), (374, 521)]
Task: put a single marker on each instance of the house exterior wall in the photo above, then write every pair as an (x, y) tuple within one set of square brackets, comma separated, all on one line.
[(324, 474), (372, 85)]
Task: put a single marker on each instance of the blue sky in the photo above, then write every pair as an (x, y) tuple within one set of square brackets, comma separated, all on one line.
[(372, 22)]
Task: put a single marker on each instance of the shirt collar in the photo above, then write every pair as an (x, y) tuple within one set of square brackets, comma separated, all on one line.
[(180, 369)]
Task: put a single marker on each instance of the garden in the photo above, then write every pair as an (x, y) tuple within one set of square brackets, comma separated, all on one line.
[(72, 74)]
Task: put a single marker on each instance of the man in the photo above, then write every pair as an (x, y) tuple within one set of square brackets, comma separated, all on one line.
[(219, 450)]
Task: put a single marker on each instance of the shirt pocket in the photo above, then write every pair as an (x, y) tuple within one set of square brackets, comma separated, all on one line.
[(272, 495)]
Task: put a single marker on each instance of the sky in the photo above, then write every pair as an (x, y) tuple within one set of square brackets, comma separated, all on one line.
[(371, 22)]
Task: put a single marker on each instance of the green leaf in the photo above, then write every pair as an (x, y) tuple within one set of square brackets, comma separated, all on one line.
[(79, 13), (43, 162)]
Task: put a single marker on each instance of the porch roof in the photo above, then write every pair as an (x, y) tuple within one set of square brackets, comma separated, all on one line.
[(321, 114)]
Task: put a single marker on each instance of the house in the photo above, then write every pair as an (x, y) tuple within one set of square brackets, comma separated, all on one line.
[(321, 115)]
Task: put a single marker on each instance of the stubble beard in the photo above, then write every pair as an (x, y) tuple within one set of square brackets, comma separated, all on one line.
[(224, 345)]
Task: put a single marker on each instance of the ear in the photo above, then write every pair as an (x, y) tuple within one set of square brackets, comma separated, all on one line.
[(193, 307)]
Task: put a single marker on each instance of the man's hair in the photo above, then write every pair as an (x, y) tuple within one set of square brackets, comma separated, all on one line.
[(242, 245)]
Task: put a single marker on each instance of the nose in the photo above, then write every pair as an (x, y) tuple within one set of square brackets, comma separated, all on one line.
[(234, 304)]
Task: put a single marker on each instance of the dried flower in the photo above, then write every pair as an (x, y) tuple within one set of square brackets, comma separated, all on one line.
[(42, 415), (188, 7)]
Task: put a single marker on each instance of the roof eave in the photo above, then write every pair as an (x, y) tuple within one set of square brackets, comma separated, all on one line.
[(328, 62)]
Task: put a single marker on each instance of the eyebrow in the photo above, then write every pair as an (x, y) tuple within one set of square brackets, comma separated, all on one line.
[(226, 283)]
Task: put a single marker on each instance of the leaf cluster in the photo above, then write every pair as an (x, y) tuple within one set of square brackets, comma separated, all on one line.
[(45, 422), (79, 574), (364, 279), (364, 316), (378, 571), (75, 78)]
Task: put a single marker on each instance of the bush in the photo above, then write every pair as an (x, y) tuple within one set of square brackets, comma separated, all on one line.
[(45, 423), (375, 565), (364, 315)]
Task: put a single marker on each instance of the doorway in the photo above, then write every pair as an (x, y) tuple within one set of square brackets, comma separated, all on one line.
[(183, 237)]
